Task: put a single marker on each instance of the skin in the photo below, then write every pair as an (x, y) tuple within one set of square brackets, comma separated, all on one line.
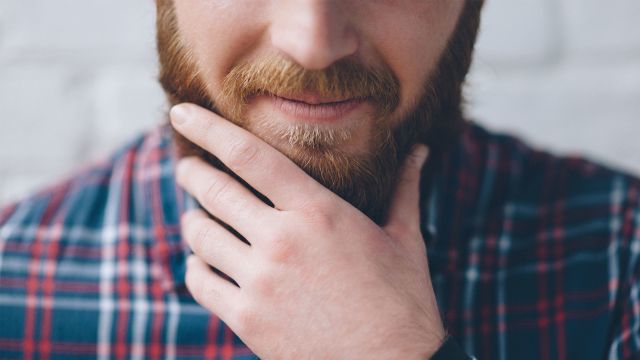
[(318, 279), (315, 34)]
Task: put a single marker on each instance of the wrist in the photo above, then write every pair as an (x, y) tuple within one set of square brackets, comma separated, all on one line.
[(419, 347), (433, 345), (450, 350)]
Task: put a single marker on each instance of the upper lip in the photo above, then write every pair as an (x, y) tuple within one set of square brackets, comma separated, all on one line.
[(312, 98)]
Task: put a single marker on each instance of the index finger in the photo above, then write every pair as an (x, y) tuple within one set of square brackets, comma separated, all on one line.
[(259, 164)]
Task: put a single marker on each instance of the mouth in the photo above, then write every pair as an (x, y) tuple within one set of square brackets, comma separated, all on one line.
[(315, 109), (311, 98)]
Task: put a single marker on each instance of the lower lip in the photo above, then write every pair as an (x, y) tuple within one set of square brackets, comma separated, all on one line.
[(325, 113)]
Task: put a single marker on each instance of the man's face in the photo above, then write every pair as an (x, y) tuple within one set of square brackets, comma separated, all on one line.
[(342, 87)]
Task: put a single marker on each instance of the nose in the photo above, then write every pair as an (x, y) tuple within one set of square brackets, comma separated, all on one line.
[(314, 33)]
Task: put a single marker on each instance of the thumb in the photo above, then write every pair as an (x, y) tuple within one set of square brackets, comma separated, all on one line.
[(404, 212)]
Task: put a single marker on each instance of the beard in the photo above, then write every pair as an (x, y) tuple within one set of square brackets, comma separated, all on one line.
[(366, 179)]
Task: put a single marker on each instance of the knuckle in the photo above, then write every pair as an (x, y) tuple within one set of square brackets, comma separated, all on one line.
[(281, 249), (263, 285), (210, 293), (242, 153), (319, 215), (215, 191), (202, 234)]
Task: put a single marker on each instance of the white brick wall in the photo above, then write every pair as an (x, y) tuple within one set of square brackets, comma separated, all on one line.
[(77, 78), (563, 74)]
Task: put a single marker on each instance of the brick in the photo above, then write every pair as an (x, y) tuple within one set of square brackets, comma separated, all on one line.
[(44, 112), (78, 79), (602, 30), (3, 14), (519, 33), (127, 101), (91, 30), (569, 109), (17, 186)]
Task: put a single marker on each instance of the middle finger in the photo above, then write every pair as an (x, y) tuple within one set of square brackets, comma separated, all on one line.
[(224, 197)]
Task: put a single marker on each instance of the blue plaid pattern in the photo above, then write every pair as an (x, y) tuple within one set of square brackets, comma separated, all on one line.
[(532, 256)]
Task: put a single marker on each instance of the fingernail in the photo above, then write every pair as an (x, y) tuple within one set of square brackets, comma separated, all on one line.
[(179, 114), (422, 153)]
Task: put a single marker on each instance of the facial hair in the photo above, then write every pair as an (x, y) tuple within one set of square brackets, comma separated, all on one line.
[(365, 180)]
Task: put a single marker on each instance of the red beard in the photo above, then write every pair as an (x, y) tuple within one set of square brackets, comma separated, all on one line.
[(367, 181)]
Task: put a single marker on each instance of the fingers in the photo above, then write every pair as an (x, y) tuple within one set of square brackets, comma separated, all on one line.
[(224, 197), (214, 293), (404, 212), (249, 157), (216, 246)]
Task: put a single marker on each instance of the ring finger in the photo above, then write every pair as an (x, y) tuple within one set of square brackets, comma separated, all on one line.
[(215, 245)]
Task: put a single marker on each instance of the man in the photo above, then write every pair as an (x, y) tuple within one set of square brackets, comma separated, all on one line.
[(292, 167)]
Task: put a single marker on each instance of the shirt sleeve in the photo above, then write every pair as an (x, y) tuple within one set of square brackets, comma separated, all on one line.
[(625, 327)]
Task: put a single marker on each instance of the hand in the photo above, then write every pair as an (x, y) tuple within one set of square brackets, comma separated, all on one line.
[(319, 279)]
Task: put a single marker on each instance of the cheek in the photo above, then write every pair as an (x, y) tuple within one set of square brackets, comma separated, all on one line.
[(218, 33), (416, 45)]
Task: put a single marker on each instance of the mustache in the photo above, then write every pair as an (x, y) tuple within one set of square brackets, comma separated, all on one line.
[(344, 79)]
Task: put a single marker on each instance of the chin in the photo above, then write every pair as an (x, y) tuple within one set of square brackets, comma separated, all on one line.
[(298, 138)]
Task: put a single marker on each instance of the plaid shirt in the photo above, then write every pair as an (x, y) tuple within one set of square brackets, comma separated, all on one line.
[(532, 257)]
